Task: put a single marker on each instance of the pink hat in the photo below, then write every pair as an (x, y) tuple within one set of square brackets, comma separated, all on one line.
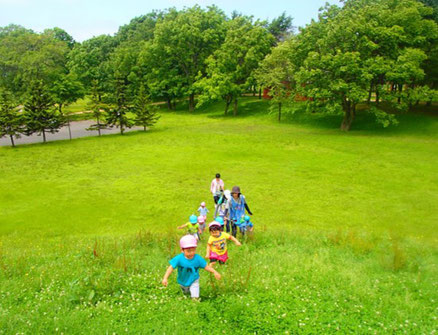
[(203, 204), (201, 219), (213, 224), (188, 241)]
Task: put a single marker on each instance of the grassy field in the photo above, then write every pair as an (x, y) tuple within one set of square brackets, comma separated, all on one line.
[(346, 227)]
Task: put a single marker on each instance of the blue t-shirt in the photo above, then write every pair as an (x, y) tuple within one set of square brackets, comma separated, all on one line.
[(187, 268)]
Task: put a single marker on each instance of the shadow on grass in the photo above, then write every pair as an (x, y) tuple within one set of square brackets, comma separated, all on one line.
[(420, 121)]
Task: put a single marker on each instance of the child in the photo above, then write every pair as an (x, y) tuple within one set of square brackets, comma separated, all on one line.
[(220, 221), (245, 225), (203, 210), (192, 226), (188, 264), (217, 244), (201, 222), (220, 211)]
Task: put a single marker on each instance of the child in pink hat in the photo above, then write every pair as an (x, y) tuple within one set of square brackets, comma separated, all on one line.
[(188, 264)]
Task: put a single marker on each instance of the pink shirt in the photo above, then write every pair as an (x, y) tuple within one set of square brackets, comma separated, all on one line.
[(216, 186)]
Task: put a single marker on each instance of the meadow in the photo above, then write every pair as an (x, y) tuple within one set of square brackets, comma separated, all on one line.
[(345, 227)]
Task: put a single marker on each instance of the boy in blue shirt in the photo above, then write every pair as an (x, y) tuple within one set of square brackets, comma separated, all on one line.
[(188, 264)]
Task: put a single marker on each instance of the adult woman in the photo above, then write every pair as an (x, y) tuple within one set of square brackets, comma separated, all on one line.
[(217, 187), (236, 206)]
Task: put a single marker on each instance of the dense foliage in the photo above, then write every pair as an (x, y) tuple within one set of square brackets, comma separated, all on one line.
[(380, 52)]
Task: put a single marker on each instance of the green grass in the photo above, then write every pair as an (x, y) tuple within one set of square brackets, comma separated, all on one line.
[(345, 227)]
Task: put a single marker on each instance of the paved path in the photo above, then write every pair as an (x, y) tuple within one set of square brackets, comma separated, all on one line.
[(77, 130)]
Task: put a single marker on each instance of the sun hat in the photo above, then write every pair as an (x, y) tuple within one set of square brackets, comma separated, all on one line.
[(201, 219), (220, 220), (193, 218), (236, 189), (247, 218), (188, 241), (214, 224), (203, 203)]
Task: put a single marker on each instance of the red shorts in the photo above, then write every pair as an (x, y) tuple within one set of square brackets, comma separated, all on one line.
[(214, 257)]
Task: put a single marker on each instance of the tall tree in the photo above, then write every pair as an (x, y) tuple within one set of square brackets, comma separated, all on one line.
[(146, 114), (281, 27), (358, 48), (66, 90), (161, 74), (11, 121), (27, 56), (276, 74), (230, 68), (117, 116), (188, 37), (140, 28), (40, 113), (98, 108), (89, 61)]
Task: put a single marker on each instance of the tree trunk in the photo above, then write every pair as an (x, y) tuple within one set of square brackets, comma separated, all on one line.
[(144, 127), (369, 93), (279, 111), (69, 129), (377, 95), (12, 140), (44, 136), (169, 103), (98, 126), (254, 90), (227, 104), (260, 92), (349, 113), (400, 89), (192, 102), (235, 107)]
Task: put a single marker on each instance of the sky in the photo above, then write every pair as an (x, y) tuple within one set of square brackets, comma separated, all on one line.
[(84, 19)]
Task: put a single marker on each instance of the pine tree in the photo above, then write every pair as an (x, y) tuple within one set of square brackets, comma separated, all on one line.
[(98, 109), (146, 114), (40, 113), (11, 121), (117, 116)]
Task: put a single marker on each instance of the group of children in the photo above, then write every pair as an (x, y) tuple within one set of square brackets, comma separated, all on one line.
[(188, 262)]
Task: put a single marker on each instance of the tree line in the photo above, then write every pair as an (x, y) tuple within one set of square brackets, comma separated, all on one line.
[(383, 53), (380, 51)]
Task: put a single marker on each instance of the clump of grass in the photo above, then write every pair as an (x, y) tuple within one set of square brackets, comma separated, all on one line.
[(360, 244)]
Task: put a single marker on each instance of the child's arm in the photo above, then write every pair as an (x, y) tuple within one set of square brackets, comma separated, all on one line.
[(210, 269), (183, 226), (166, 275), (207, 255), (236, 242)]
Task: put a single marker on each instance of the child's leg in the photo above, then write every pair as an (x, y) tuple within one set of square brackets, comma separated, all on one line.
[(234, 228), (228, 226), (185, 289), (194, 289)]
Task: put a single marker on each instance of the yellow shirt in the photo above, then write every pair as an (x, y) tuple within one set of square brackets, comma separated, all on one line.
[(219, 244)]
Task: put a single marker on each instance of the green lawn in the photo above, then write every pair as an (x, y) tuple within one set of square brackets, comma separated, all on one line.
[(346, 226)]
